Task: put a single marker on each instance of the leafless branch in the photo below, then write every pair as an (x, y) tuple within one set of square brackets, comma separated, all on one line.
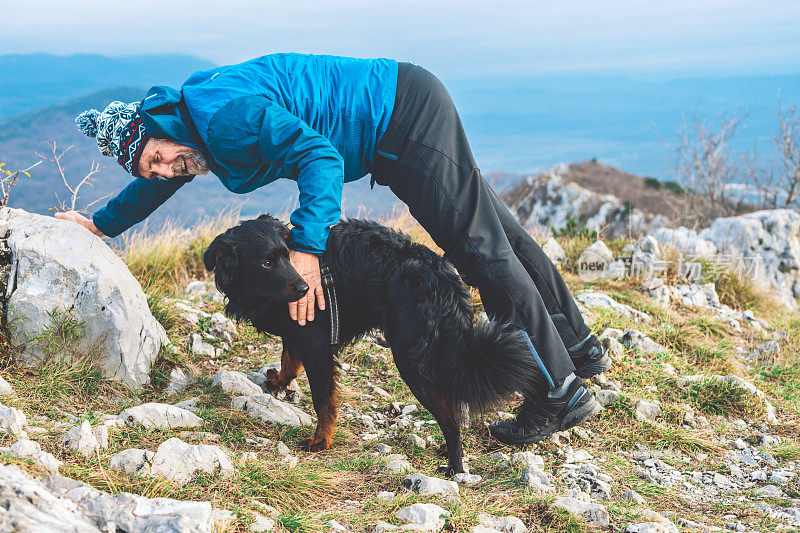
[(95, 167)]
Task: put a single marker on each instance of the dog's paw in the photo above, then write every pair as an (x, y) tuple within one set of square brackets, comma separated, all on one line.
[(273, 383), (313, 444)]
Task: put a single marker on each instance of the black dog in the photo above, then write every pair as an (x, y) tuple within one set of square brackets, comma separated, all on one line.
[(382, 279)]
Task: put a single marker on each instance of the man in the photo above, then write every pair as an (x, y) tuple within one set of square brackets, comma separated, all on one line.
[(322, 121)]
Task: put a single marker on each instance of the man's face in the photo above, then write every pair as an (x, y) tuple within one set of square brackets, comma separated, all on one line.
[(166, 159)]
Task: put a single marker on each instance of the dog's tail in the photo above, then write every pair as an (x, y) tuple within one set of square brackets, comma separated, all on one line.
[(488, 363)]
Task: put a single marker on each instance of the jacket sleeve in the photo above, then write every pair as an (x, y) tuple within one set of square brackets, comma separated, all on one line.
[(135, 203), (255, 130)]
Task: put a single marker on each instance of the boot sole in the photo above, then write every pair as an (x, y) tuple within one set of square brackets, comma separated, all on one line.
[(595, 367)]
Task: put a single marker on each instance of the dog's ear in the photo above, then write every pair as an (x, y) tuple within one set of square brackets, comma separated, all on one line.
[(221, 257), (219, 246), (283, 230)]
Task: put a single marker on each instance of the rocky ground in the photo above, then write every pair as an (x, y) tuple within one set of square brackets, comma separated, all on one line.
[(699, 432)]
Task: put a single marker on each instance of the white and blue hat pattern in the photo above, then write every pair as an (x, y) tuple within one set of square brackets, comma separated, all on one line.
[(119, 131)]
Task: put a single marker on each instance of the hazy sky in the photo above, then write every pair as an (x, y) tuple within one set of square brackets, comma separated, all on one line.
[(458, 39)]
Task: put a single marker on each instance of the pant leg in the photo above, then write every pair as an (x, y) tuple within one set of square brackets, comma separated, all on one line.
[(554, 292), (428, 164)]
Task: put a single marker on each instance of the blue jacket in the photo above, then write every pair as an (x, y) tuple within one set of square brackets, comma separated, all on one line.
[(313, 119)]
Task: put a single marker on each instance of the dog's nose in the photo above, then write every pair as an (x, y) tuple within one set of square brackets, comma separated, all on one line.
[(302, 289)]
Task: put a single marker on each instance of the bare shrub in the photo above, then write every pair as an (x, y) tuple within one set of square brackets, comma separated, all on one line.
[(74, 190)]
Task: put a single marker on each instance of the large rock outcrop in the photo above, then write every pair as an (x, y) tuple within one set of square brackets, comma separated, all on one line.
[(52, 265), (763, 246), (549, 201), (768, 242)]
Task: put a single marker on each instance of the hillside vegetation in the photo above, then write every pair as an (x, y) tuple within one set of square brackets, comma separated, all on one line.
[(683, 462)]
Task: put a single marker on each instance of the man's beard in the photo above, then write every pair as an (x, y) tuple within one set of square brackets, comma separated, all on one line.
[(190, 161)]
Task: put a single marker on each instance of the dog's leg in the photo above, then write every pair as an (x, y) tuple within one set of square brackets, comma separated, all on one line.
[(322, 379), (291, 367)]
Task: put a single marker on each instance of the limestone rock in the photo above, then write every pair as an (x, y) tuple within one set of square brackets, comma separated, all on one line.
[(537, 480), (57, 264), (82, 440), (223, 328), (12, 420), (506, 524), (132, 513), (5, 388), (160, 415), (29, 449), (597, 299), (554, 251), (646, 411), (179, 379), (594, 513), (427, 514), (27, 505), (201, 347), (234, 382), (768, 242), (639, 341), (268, 409), (431, 485), (132, 461), (176, 461)]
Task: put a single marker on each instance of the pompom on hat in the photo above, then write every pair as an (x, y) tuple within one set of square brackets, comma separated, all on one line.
[(119, 131)]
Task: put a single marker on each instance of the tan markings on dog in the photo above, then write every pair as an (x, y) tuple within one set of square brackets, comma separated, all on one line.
[(326, 422), (291, 367)]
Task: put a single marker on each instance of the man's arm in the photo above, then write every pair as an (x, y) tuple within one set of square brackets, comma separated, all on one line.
[(135, 203), (255, 131)]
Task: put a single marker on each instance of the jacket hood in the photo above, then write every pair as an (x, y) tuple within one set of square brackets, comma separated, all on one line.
[(165, 116)]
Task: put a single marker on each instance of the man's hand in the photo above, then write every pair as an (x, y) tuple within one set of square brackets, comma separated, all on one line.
[(76, 217), (307, 265)]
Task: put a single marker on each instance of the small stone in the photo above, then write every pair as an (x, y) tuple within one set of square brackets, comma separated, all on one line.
[(261, 524), (234, 382), (178, 380), (537, 480), (416, 440), (289, 461), (398, 466), (384, 449), (769, 491), (525, 459), (160, 415), (633, 496), (646, 411), (268, 409), (12, 420), (222, 328), (5, 388), (336, 526), (606, 398), (132, 461), (385, 495), (430, 485), (82, 440), (462, 478), (428, 514), (506, 524), (594, 513)]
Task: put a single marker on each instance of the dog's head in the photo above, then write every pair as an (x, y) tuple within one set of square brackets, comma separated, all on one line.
[(251, 263)]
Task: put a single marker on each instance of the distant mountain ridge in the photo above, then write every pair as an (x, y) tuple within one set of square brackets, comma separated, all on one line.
[(33, 81)]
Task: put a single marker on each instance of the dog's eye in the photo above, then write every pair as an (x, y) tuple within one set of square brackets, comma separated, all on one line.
[(266, 264)]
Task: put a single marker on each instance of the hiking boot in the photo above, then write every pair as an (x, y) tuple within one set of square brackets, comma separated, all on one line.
[(558, 410), (589, 358)]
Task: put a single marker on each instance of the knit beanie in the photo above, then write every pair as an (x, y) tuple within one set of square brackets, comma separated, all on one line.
[(119, 131)]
